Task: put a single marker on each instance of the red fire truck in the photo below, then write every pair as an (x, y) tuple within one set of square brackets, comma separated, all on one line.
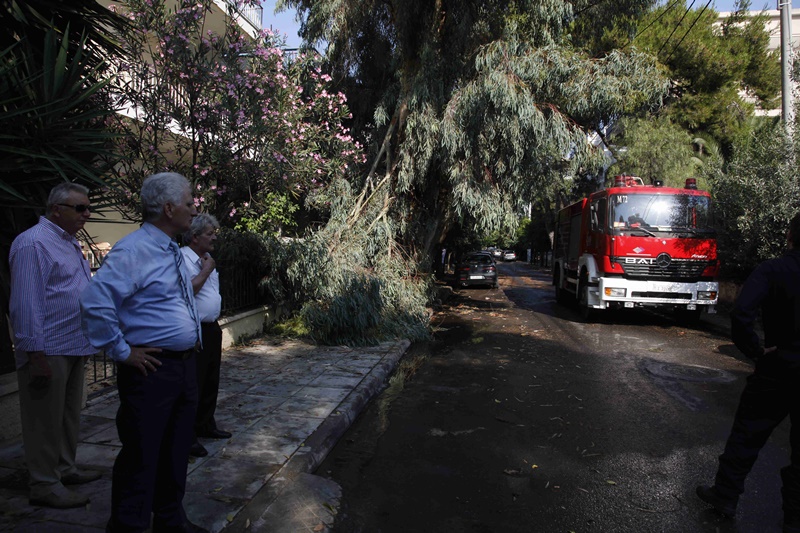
[(635, 245)]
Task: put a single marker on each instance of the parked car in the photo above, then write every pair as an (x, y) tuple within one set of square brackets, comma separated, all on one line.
[(497, 253), (509, 255), (486, 253), (477, 269)]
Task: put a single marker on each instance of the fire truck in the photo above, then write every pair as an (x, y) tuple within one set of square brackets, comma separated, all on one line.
[(635, 245)]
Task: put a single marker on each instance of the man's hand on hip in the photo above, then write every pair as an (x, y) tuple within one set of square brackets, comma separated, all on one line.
[(140, 358)]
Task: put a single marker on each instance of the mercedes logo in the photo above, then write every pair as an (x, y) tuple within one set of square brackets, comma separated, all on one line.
[(663, 260)]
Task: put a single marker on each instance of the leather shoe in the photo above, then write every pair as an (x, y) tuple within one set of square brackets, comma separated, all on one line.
[(186, 527), (198, 450), (63, 499), (710, 495), (80, 477), (215, 434)]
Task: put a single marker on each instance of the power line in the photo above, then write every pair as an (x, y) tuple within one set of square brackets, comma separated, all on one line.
[(675, 3), (699, 15), (675, 28)]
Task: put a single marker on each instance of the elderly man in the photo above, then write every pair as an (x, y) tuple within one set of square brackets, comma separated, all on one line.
[(139, 307), (48, 272), (199, 241)]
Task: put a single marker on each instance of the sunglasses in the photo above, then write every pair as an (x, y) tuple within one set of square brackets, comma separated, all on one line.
[(79, 208)]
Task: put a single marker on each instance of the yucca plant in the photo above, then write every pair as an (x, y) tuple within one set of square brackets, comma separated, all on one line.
[(53, 103)]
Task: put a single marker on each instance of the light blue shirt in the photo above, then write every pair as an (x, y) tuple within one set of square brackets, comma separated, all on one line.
[(48, 273), (136, 298)]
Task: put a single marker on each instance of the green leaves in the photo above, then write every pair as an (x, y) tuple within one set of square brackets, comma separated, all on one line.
[(51, 127), (755, 197)]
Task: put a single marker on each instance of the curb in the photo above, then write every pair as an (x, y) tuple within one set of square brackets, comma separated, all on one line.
[(293, 477)]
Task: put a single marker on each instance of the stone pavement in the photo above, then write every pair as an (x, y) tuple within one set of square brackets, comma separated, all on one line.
[(285, 401)]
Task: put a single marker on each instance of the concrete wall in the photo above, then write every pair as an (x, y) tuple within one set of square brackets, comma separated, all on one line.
[(234, 329)]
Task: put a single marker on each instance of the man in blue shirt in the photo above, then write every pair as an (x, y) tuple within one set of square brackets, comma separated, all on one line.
[(771, 393), (48, 273), (140, 309)]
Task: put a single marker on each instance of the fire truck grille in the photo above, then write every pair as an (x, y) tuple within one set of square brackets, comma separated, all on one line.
[(670, 295), (678, 269)]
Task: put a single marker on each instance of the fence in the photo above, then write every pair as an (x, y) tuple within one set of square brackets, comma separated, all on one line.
[(252, 14), (238, 286)]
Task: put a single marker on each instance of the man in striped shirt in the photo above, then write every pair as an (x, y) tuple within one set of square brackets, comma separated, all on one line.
[(48, 273)]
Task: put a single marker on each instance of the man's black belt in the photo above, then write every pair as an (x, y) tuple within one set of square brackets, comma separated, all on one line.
[(172, 354)]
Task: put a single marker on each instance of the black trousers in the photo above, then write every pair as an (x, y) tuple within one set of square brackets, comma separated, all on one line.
[(208, 366), (154, 421), (772, 392)]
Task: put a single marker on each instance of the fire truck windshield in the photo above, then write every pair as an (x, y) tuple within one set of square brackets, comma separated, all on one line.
[(647, 214)]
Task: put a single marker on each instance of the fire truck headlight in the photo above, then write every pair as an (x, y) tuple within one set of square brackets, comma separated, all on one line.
[(616, 292), (706, 295)]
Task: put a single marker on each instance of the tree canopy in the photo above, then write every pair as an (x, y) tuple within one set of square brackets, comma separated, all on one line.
[(471, 107), (720, 70)]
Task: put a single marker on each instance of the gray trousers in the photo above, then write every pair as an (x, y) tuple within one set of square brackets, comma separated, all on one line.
[(50, 422)]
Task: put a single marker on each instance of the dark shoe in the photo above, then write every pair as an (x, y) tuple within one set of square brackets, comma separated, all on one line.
[(80, 477), (187, 527), (63, 499), (198, 450), (712, 497), (215, 434)]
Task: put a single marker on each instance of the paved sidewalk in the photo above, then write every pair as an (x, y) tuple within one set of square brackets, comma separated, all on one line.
[(286, 402)]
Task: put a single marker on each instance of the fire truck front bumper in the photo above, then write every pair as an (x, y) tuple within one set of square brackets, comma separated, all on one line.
[(620, 292)]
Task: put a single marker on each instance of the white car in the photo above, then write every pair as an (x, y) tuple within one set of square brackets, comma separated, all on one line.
[(509, 255)]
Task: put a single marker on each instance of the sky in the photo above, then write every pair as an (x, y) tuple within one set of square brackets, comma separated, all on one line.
[(757, 5), (285, 23)]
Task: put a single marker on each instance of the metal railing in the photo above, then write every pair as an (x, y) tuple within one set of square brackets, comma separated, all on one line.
[(252, 14), (238, 287)]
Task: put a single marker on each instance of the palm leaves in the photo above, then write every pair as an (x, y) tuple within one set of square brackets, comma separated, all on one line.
[(53, 62), (51, 127)]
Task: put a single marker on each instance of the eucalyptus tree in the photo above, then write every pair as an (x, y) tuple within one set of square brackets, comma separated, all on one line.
[(470, 108), (655, 149)]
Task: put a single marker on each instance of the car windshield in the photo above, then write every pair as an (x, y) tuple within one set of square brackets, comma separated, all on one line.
[(645, 214)]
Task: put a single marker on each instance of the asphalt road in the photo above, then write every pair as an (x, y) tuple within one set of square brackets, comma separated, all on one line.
[(519, 416)]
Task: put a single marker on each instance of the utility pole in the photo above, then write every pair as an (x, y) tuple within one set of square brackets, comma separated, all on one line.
[(785, 7)]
